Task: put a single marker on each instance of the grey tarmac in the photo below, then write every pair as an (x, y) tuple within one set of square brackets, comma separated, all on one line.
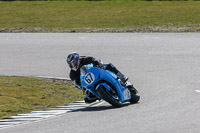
[(164, 67)]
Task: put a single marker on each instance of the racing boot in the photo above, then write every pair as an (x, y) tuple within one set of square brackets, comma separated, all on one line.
[(122, 77), (89, 97)]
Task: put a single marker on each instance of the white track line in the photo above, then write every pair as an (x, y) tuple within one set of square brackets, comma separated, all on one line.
[(49, 77), (36, 116), (197, 91)]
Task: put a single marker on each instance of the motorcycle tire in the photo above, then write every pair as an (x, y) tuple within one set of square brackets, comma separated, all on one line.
[(135, 97), (107, 96)]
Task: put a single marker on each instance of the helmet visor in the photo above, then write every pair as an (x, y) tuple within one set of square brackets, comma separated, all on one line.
[(74, 65)]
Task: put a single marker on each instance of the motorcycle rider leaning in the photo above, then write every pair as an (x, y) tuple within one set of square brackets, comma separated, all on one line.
[(75, 62)]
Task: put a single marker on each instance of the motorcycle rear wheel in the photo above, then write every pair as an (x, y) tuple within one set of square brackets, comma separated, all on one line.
[(135, 97), (109, 96)]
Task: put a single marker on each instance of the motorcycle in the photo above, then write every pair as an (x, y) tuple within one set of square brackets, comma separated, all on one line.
[(105, 85)]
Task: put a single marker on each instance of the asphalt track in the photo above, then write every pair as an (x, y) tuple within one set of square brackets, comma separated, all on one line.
[(165, 68)]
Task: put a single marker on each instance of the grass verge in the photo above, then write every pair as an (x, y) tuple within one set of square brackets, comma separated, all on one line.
[(105, 16), (25, 94)]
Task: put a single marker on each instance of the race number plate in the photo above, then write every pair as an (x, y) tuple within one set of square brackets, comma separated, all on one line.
[(126, 94), (89, 78)]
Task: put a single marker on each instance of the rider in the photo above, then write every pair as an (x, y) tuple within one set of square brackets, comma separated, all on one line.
[(75, 62)]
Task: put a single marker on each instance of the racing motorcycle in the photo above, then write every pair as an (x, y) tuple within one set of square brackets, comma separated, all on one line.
[(107, 86)]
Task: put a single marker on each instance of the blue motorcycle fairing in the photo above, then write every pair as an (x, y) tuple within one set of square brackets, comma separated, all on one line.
[(93, 71), (94, 75), (111, 73), (104, 75), (91, 86), (103, 84)]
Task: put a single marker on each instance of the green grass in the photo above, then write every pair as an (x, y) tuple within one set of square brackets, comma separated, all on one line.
[(121, 14), (24, 94)]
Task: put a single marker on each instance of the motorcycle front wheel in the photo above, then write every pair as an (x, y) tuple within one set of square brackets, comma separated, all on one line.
[(109, 96)]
